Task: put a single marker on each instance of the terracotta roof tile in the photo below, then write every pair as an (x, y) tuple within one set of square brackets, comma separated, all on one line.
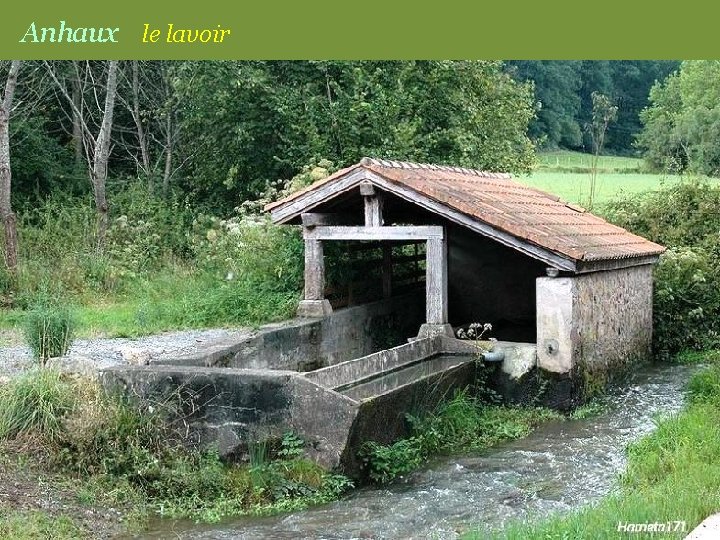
[(497, 200)]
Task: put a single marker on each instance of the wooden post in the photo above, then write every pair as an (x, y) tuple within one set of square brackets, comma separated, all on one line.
[(314, 270), (314, 304), (373, 205), (436, 281)]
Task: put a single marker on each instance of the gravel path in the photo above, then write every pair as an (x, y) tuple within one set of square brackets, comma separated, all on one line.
[(101, 353)]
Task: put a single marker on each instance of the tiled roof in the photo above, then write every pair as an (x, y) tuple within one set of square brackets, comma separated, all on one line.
[(506, 205)]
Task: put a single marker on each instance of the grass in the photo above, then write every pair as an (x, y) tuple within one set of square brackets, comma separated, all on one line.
[(172, 301), (37, 524), (117, 453), (560, 160), (698, 357), (575, 187), (567, 174), (35, 401), (672, 475)]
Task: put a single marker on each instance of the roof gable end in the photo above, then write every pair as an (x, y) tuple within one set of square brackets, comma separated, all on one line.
[(492, 204)]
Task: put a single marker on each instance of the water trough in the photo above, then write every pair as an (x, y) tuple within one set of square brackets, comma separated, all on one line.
[(335, 409)]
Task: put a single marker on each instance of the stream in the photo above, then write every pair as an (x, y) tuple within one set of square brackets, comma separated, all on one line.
[(559, 467)]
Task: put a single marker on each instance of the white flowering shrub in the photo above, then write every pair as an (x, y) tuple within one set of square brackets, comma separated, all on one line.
[(249, 248), (132, 246)]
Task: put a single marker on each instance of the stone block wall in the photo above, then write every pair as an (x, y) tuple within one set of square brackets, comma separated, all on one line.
[(596, 321)]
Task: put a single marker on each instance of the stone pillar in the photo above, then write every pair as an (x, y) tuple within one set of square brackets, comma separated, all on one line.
[(554, 297), (314, 303)]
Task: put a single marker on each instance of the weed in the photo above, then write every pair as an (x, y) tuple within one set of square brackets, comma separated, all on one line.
[(291, 446), (460, 424), (588, 410), (698, 357), (704, 386), (38, 524)]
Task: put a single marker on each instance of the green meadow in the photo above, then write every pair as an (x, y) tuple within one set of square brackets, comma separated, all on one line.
[(567, 175)]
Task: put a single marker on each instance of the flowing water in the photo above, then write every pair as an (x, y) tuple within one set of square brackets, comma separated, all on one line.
[(561, 466)]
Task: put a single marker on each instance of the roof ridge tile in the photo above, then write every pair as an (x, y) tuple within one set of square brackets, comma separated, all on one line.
[(395, 164)]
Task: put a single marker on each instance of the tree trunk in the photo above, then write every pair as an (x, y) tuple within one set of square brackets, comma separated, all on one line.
[(142, 141), (6, 213), (168, 153), (77, 132), (101, 156)]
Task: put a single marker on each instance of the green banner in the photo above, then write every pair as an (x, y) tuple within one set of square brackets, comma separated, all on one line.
[(371, 29)]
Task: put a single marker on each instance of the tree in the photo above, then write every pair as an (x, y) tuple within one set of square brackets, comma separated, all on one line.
[(557, 85), (603, 113), (153, 106), (6, 212), (563, 91), (632, 81), (96, 146), (253, 122), (682, 125)]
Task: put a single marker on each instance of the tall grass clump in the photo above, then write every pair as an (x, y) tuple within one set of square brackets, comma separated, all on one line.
[(49, 329), (36, 403)]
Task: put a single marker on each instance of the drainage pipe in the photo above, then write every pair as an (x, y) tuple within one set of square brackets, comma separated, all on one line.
[(494, 356)]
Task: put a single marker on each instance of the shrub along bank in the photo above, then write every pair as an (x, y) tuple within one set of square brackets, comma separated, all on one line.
[(464, 423), (685, 218)]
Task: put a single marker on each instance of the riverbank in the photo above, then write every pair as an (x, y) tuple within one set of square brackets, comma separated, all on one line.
[(76, 462), (670, 482), (562, 464)]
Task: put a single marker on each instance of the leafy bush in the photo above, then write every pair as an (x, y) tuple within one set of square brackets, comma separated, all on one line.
[(49, 330), (387, 462), (686, 309), (683, 217), (683, 214)]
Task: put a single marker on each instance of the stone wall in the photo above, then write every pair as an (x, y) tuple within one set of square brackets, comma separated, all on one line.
[(595, 321), (307, 344), (228, 408)]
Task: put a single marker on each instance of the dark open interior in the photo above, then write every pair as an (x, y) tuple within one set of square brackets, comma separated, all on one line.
[(488, 282)]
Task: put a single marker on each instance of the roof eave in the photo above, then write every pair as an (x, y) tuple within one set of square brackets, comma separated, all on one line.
[(293, 208), (599, 265)]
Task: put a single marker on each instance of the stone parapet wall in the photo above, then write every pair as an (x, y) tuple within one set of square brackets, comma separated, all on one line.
[(307, 344)]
